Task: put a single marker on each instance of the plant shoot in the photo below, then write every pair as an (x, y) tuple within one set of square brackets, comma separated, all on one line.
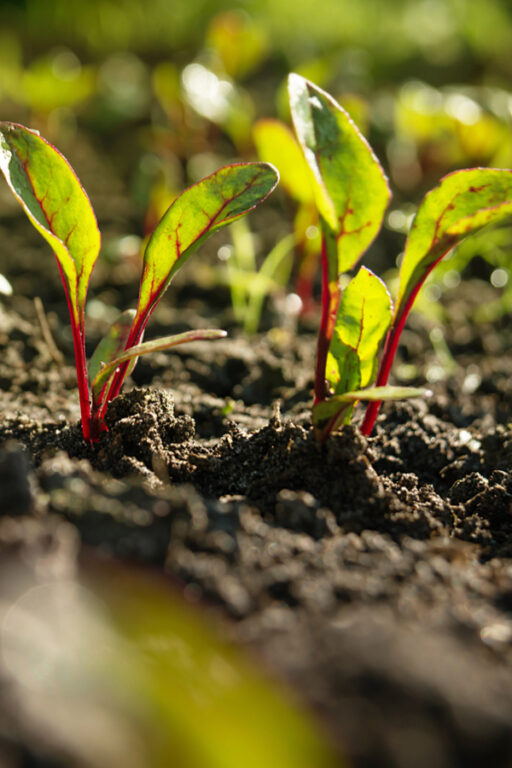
[(51, 195)]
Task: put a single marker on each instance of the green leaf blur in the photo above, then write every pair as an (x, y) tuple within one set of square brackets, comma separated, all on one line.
[(276, 144)]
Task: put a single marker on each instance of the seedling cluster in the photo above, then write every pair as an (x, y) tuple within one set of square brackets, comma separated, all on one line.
[(339, 178), (361, 326), (55, 202)]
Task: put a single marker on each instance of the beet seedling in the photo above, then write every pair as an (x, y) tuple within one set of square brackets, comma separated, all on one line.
[(55, 202), (462, 203), (352, 193)]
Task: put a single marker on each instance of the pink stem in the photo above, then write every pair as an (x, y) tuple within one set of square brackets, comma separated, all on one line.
[(390, 349), (133, 339), (330, 301), (388, 356), (80, 363)]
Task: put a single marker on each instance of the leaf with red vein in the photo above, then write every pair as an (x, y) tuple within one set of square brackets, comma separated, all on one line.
[(51, 195), (363, 318), (55, 202), (350, 187), (218, 200), (463, 202)]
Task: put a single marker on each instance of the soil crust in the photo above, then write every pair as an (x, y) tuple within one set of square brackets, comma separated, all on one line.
[(373, 575)]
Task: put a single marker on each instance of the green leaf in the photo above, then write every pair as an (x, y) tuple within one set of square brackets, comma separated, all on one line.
[(329, 408), (177, 690), (276, 144), (55, 202), (363, 318), (463, 202), (218, 200), (102, 377), (350, 187), (112, 344)]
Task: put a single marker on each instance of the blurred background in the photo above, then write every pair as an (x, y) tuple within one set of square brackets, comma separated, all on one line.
[(148, 97)]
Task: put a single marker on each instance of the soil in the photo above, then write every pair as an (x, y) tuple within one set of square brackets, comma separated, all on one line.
[(374, 576)]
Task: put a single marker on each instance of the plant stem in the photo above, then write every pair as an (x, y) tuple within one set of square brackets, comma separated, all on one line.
[(77, 329), (81, 376), (330, 301), (133, 339), (390, 348)]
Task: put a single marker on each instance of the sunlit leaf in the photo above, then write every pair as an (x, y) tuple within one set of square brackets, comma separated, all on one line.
[(350, 187), (464, 202), (51, 195), (363, 318), (55, 202), (209, 205), (276, 144), (198, 212)]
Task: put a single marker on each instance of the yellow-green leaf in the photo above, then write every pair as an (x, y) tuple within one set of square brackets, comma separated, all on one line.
[(276, 144), (218, 200), (55, 202), (110, 667), (463, 202), (363, 318), (327, 409)]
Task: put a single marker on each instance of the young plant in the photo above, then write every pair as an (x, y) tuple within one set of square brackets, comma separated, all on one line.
[(462, 203), (250, 285), (52, 197), (351, 194)]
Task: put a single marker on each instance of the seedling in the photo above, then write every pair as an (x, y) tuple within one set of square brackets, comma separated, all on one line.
[(250, 285), (52, 197), (351, 194)]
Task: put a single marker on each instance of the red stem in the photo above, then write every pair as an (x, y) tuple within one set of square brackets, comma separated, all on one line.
[(81, 376), (80, 363), (330, 301), (389, 352), (388, 356), (134, 338)]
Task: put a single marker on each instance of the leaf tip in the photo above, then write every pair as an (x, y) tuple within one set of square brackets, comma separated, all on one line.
[(295, 83), (271, 167)]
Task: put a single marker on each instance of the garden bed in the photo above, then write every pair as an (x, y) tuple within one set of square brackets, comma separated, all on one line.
[(374, 576)]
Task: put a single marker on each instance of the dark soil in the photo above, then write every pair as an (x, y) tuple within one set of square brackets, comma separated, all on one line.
[(374, 575)]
